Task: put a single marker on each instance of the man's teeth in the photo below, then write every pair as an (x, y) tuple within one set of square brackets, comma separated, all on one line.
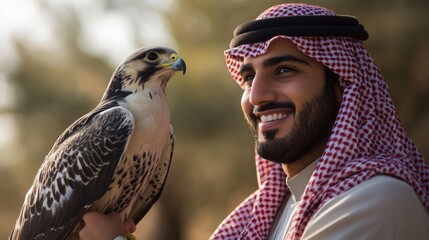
[(272, 117)]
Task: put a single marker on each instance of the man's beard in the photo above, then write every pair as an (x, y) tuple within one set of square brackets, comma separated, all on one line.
[(313, 127)]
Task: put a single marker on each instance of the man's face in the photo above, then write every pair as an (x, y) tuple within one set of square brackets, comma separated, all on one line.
[(285, 102)]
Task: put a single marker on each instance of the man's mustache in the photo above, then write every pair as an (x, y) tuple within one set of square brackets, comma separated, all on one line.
[(271, 106)]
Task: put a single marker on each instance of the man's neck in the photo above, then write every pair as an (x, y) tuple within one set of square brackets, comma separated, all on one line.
[(291, 169)]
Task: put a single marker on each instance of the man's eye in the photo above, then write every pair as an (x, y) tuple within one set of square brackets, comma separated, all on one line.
[(284, 70), (248, 77)]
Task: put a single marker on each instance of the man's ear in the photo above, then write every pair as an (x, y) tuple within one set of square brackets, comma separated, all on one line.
[(338, 92)]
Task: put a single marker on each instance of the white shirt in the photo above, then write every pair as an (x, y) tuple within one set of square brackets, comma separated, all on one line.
[(296, 186), (380, 208)]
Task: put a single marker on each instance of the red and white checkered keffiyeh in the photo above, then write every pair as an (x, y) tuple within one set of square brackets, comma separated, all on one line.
[(367, 138)]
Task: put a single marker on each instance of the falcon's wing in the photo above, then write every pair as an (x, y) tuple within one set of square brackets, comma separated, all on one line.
[(75, 173), (156, 184)]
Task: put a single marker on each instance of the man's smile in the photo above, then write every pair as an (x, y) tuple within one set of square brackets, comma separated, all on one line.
[(267, 120), (272, 117)]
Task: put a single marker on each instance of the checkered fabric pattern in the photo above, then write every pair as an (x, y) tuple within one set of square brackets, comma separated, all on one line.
[(367, 138)]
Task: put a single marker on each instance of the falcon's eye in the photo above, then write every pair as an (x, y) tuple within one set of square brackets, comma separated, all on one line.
[(152, 56)]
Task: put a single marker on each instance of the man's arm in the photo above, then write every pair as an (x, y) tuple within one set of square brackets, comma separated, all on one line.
[(381, 208), (101, 226)]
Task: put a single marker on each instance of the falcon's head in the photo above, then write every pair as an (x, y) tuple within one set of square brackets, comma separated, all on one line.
[(154, 65)]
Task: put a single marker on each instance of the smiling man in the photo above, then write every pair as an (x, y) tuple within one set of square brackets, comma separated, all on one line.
[(332, 157)]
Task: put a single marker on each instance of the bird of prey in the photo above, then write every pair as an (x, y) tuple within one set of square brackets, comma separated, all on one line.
[(113, 159)]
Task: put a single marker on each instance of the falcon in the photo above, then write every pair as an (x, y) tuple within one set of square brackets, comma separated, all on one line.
[(113, 159)]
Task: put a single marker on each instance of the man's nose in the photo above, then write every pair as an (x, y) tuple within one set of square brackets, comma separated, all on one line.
[(262, 91)]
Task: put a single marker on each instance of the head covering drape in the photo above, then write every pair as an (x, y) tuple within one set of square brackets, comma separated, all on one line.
[(367, 138)]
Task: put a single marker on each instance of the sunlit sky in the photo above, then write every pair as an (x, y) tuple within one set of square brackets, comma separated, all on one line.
[(110, 34), (105, 33)]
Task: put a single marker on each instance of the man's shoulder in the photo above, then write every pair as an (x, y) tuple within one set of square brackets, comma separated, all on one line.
[(380, 193), (381, 190), (381, 208)]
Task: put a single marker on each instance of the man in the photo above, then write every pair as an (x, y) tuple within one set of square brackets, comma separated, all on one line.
[(333, 160), (351, 172)]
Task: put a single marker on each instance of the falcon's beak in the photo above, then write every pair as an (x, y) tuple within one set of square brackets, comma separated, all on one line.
[(178, 65), (175, 63)]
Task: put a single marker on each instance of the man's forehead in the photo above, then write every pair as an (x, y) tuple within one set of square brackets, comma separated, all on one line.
[(277, 48)]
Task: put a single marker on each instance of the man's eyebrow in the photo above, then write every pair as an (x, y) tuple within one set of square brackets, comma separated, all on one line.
[(276, 60), (246, 68)]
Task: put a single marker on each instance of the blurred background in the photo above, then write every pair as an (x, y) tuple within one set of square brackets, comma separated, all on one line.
[(56, 58)]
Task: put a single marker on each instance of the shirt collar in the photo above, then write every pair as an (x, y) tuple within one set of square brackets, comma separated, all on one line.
[(297, 183)]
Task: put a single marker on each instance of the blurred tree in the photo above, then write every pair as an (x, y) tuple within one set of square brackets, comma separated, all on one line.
[(213, 166)]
